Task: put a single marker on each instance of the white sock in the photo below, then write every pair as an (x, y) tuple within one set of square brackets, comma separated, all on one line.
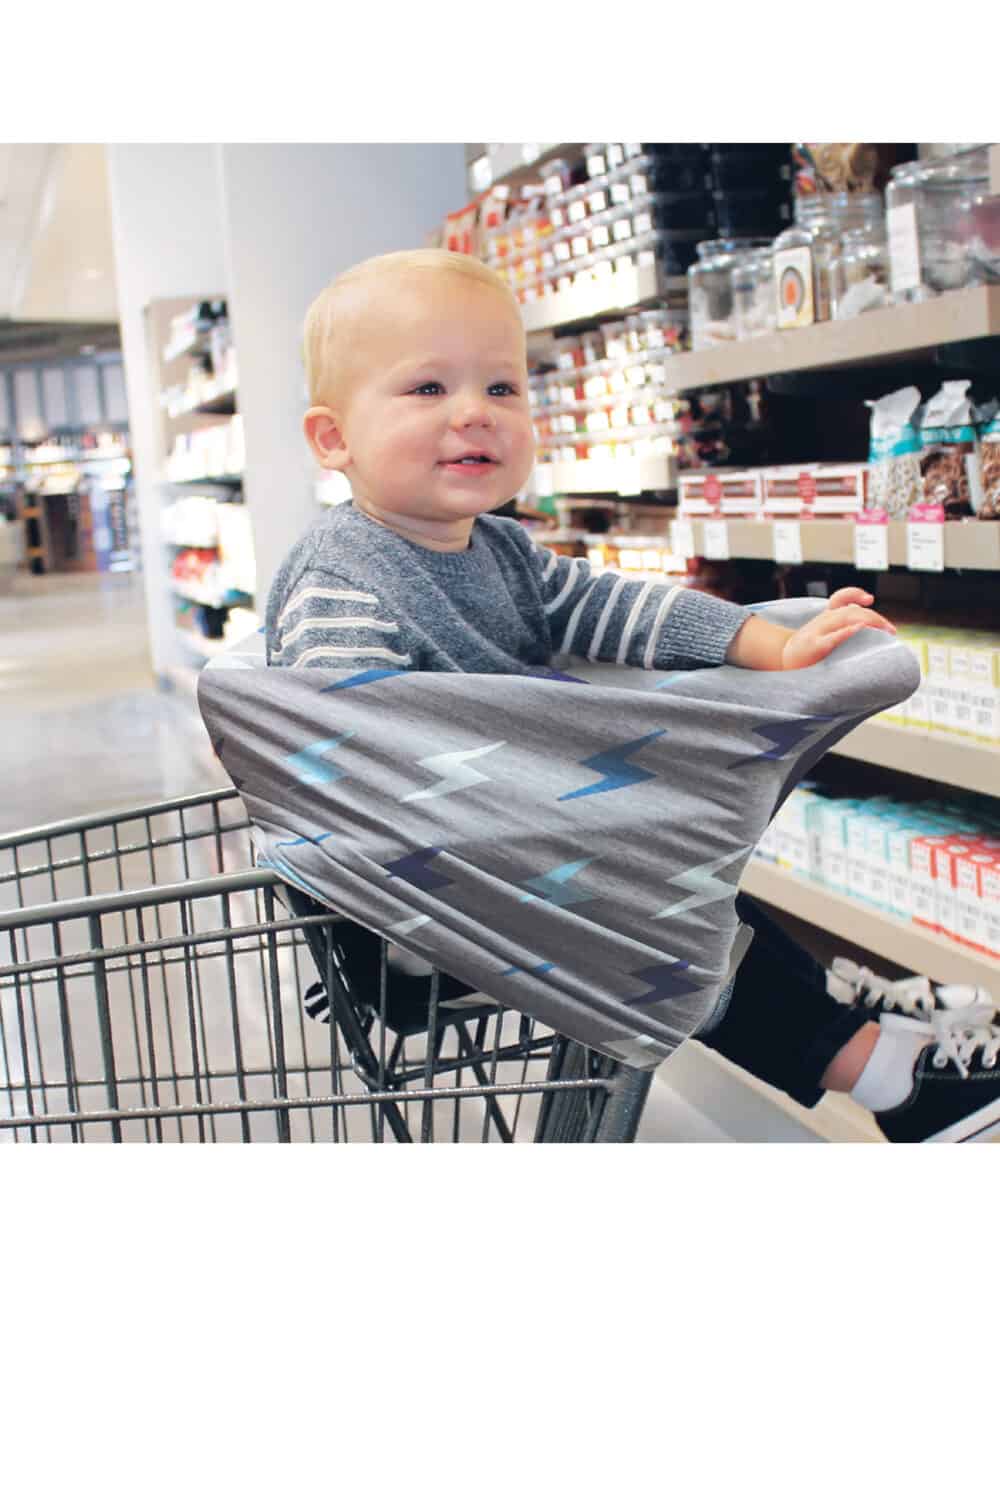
[(887, 1078)]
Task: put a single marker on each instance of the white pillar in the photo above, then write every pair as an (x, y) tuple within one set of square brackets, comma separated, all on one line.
[(294, 216)]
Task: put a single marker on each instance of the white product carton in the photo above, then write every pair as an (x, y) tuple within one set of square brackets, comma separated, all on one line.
[(990, 893), (983, 655), (970, 927), (916, 707), (939, 684), (877, 858)]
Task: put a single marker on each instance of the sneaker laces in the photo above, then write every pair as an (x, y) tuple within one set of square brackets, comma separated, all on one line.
[(910, 995), (956, 1033)]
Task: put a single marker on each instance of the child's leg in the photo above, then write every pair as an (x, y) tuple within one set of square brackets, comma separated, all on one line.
[(932, 1074), (781, 1023)]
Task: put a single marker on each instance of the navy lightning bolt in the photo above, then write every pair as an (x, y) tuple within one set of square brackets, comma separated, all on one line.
[(784, 736)]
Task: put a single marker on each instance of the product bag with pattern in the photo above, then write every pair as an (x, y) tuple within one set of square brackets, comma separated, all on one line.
[(569, 843)]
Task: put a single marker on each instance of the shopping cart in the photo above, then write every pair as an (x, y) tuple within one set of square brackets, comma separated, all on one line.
[(156, 985)]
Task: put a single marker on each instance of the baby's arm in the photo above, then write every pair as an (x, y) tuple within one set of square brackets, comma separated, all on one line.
[(771, 648), (635, 622), (328, 622)]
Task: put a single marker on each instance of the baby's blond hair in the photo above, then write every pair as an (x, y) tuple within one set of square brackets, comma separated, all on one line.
[(333, 319)]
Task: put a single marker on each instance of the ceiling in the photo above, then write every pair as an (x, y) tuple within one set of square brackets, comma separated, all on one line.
[(57, 279)]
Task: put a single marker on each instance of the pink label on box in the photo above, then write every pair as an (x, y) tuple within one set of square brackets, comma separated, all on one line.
[(926, 511), (875, 516)]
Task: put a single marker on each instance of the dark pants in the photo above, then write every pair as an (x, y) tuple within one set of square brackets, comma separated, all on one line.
[(781, 1024)]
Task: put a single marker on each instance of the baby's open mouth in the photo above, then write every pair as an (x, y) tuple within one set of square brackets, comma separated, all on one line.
[(472, 460)]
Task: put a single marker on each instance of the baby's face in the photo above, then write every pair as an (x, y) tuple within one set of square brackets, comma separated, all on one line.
[(436, 419)]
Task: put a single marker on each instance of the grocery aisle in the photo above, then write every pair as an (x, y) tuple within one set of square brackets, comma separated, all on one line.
[(82, 726)]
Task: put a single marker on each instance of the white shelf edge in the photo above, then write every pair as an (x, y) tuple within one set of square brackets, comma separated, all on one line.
[(894, 939), (968, 544), (959, 315), (933, 755), (624, 476), (614, 294)]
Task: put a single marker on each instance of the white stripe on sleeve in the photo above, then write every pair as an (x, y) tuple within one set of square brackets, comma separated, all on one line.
[(668, 599)]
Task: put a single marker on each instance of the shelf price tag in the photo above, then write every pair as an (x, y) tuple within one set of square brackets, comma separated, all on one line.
[(925, 538), (682, 538), (716, 538), (871, 539), (787, 542)]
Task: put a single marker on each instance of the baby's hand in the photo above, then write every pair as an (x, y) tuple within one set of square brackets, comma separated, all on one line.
[(843, 617)]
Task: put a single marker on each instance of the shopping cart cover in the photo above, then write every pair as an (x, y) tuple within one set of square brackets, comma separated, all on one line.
[(570, 842)]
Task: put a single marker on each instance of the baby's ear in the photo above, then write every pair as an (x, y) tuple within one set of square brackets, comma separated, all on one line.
[(322, 430)]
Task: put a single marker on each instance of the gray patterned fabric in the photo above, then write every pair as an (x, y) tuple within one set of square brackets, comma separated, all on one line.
[(570, 843)]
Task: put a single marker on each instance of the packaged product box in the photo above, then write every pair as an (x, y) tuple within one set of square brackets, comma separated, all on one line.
[(939, 684), (699, 493), (785, 491), (946, 857), (982, 650), (922, 885), (877, 857), (841, 490), (970, 921), (989, 880), (792, 842), (910, 824), (915, 708), (741, 492), (814, 828), (834, 831)]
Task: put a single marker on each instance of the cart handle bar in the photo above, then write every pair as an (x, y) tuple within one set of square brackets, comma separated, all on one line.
[(129, 899), (75, 824)]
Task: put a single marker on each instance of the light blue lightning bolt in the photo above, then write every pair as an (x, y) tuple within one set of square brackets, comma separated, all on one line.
[(458, 775), (555, 887), (310, 766), (702, 885)]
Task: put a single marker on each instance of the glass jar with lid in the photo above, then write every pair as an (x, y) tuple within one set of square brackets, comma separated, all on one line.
[(944, 192), (803, 254), (753, 293), (859, 275), (710, 290)]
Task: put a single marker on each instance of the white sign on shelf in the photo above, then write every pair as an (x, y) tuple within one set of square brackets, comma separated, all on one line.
[(682, 538), (787, 542), (925, 538), (871, 540), (716, 538)]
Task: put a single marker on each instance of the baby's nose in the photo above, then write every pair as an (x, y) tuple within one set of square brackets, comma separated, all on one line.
[(474, 411)]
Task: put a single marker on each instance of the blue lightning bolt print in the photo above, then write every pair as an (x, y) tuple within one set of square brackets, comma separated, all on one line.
[(555, 887), (413, 869), (784, 736), (665, 981), (375, 674), (611, 764), (310, 766)]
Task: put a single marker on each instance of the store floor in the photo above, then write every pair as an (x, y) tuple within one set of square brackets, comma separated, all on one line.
[(83, 729), (82, 726)]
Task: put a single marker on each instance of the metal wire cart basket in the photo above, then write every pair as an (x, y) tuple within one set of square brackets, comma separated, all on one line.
[(155, 986)]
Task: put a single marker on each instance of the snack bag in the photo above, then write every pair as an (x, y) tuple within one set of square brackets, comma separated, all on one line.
[(949, 464), (989, 463), (895, 482)]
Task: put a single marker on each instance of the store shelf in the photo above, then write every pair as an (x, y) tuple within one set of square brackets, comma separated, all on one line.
[(933, 756), (508, 162), (622, 476), (210, 597), (884, 935), (613, 293), (969, 544), (224, 402), (902, 330), (227, 479)]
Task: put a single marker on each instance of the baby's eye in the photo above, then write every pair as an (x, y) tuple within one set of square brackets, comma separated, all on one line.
[(503, 389), (428, 389)]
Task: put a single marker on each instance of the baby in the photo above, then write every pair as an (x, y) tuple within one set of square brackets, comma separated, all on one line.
[(418, 381), (418, 378)]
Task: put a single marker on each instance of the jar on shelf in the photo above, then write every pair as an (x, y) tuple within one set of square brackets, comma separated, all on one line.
[(859, 274), (804, 253), (944, 192), (753, 293), (710, 290), (983, 238), (901, 229)]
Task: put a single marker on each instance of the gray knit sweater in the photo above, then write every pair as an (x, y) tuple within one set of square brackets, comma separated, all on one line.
[(351, 593)]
